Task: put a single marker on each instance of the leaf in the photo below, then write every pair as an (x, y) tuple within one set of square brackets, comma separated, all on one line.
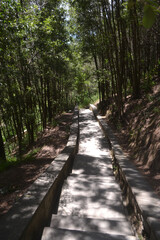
[(149, 16)]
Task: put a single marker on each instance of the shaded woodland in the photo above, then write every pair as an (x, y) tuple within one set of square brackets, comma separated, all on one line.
[(123, 38), (54, 54), (34, 78)]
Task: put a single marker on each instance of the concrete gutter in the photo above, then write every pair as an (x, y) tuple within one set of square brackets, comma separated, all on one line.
[(140, 196), (27, 218)]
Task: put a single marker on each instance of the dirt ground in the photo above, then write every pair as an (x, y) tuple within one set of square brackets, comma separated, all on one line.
[(15, 181), (139, 135), (153, 176)]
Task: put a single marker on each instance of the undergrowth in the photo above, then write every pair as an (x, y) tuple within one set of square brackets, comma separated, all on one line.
[(15, 160), (84, 102)]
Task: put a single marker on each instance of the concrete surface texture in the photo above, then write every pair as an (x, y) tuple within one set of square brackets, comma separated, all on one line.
[(142, 197), (90, 205)]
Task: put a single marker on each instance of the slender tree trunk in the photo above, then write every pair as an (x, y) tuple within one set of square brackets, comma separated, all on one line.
[(2, 149), (135, 37), (99, 87)]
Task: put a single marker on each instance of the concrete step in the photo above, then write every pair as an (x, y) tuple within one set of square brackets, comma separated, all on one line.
[(63, 234), (109, 211), (120, 226), (91, 199)]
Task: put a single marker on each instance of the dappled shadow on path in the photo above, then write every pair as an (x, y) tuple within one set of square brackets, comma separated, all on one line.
[(99, 166), (91, 190), (92, 141)]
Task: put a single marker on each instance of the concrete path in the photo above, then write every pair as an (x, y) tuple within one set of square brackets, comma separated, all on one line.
[(90, 204)]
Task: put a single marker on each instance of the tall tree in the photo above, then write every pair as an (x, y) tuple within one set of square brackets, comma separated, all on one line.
[(2, 150)]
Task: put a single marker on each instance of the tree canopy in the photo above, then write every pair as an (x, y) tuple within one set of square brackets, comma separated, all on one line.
[(56, 53)]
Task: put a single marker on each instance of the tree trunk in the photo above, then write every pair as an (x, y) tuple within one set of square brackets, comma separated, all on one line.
[(2, 149)]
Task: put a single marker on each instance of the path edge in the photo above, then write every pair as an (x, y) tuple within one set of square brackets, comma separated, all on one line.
[(32, 212), (130, 179)]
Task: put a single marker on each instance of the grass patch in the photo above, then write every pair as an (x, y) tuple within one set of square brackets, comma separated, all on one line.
[(30, 156), (15, 160), (54, 123), (10, 162), (85, 101), (156, 109)]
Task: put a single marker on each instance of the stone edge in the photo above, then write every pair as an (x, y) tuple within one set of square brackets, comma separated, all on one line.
[(27, 218), (132, 179)]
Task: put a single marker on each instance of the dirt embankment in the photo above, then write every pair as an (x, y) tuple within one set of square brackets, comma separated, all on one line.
[(139, 134), (15, 181)]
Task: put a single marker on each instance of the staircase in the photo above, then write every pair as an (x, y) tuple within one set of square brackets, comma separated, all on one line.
[(90, 206)]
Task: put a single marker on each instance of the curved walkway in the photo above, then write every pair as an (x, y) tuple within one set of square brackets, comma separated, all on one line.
[(90, 204)]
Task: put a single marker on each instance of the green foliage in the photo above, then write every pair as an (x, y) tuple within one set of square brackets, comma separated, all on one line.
[(14, 160), (95, 98), (54, 123), (11, 161), (130, 4), (115, 169), (149, 16), (51, 59), (31, 155), (150, 98), (34, 73), (156, 110), (148, 81)]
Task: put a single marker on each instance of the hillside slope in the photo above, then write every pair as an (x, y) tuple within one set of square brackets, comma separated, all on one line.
[(139, 134), (15, 180)]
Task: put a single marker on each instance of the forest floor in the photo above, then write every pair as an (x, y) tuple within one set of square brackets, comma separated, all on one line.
[(139, 134), (15, 181)]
